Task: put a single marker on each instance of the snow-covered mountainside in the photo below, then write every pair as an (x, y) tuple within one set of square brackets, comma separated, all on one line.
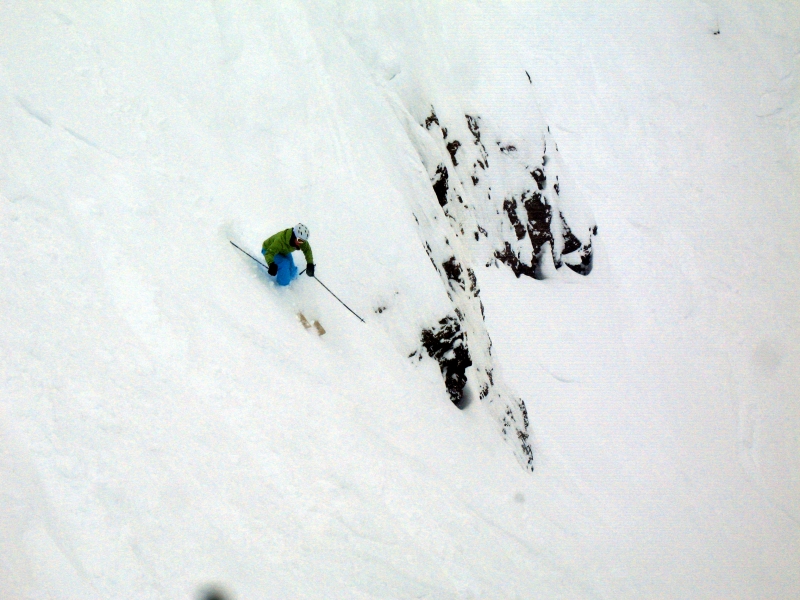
[(571, 232)]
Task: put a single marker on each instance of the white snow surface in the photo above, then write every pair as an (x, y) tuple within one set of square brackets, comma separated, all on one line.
[(165, 421)]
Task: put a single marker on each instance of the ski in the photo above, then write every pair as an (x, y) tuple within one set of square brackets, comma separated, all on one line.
[(316, 325)]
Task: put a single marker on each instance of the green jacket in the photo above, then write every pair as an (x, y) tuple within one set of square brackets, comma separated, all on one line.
[(280, 243)]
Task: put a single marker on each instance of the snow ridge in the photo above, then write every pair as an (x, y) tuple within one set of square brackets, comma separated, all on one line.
[(469, 228)]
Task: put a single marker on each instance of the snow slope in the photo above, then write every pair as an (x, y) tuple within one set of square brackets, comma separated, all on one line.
[(165, 421)]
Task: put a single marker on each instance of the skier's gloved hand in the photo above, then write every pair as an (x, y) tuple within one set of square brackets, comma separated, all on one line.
[(310, 269), (273, 269)]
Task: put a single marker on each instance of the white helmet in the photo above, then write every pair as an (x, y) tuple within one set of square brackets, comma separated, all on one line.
[(300, 231)]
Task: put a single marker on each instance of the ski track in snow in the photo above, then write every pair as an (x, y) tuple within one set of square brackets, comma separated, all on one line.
[(167, 423)]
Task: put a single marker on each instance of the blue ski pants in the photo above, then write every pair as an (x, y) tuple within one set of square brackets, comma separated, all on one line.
[(287, 271)]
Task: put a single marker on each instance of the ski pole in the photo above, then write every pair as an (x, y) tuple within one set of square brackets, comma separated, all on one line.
[(301, 272), (248, 254), (337, 297)]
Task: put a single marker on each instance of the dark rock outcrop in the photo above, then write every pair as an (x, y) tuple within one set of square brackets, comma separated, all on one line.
[(446, 343)]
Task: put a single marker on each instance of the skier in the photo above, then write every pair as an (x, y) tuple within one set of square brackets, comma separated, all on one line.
[(277, 251)]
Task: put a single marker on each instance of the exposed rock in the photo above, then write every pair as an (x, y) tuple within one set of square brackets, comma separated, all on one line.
[(571, 243), (472, 123), (539, 176), (510, 206), (581, 261), (474, 128), (452, 148), (508, 257), (431, 119), (452, 269), (539, 217), (446, 343), (439, 183)]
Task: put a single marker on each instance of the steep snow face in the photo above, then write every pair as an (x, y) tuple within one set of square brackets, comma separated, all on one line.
[(166, 421), (626, 317)]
